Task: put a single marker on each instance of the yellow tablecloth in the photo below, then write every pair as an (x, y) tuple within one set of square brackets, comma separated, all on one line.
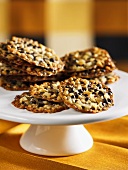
[(109, 151)]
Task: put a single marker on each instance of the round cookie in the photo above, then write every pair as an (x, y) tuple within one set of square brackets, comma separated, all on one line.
[(34, 53), (8, 70), (87, 59), (30, 78), (37, 70), (108, 78), (27, 69), (92, 73), (14, 61), (47, 91), (10, 57), (28, 102), (87, 96), (14, 85)]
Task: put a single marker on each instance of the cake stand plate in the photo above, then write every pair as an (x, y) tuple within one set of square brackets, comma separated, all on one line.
[(62, 133)]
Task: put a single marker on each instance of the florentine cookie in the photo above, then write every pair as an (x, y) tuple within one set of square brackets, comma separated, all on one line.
[(8, 70), (47, 91), (29, 78), (28, 69), (0, 69), (6, 56), (26, 101), (10, 83), (39, 71), (14, 85), (16, 62), (34, 53), (87, 59), (92, 73), (108, 78), (86, 95)]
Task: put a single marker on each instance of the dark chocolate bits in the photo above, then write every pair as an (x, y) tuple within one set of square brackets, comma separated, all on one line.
[(88, 96)]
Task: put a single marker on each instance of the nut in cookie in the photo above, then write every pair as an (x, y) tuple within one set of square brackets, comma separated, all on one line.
[(108, 78), (14, 85), (30, 103), (34, 53), (88, 96), (47, 91), (87, 59)]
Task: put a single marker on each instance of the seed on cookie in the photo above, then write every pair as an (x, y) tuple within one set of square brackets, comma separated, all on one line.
[(47, 91), (108, 78), (34, 53), (7, 56), (14, 85), (30, 103), (9, 70), (92, 73), (87, 96), (87, 59), (29, 78)]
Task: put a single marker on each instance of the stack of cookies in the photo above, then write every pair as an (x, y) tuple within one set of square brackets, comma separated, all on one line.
[(78, 80), (25, 62), (81, 85)]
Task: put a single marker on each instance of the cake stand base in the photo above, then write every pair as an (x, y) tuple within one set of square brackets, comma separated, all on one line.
[(56, 140)]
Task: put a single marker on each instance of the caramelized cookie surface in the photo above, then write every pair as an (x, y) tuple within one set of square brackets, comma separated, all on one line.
[(47, 90), (87, 59), (34, 53), (28, 102), (14, 85), (86, 95)]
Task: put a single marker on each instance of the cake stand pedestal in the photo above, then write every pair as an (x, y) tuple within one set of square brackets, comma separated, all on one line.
[(56, 140)]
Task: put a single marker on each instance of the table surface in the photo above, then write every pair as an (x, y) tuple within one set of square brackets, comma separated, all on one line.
[(109, 151)]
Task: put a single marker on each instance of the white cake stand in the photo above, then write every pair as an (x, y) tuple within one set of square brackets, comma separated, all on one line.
[(62, 133)]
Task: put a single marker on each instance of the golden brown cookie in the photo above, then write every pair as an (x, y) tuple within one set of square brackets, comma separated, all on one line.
[(87, 96), (47, 91), (29, 78), (34, 53), (8, 70), (92, 73), (14, 85), (108, 78), (87, 59), (7, 56), (26, 101), (11, 68)]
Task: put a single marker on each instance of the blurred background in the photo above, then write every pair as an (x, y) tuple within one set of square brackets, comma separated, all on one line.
[(68, 25)]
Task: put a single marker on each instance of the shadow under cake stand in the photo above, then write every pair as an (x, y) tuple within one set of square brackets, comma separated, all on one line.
[(62, 133)]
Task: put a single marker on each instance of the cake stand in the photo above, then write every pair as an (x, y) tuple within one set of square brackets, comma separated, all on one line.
[(62, 133)]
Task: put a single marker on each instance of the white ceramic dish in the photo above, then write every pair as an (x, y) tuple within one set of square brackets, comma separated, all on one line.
[(64, 118)]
